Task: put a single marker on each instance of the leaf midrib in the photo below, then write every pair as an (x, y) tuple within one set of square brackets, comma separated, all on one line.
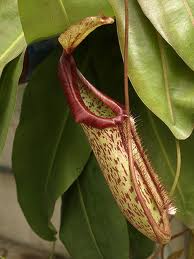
[(64, 11), (54, 154), (11, 47), (87, 219), (165, 76), (188, 10)]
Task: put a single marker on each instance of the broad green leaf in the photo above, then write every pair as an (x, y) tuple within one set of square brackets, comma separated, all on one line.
[(48, 18), (71, 157), (174, 19), (8, 91), (49, 151), (161, 79), (160, 147), (92, 225), (12, 37), (136, 239)]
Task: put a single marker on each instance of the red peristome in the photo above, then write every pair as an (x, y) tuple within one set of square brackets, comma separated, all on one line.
[(70, 78)]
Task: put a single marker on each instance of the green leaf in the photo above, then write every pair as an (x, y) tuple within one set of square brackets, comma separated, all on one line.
[(161, 79), (8, 91), (174, 19), (160, 146), (92, 225), (49, 151), (12, 37), (48, 18), (136, 239)]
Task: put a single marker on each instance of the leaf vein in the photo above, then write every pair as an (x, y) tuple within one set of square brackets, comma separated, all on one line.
[(165, 75), (54, 155), (189, 12), (87, 219), (13, 44), (64, 11)]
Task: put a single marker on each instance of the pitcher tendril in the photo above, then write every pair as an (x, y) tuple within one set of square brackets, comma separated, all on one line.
[(126, 86), (111, 132), (178, 168)]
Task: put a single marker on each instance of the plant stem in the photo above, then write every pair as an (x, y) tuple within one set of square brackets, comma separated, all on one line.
[(178, 168), (52, 255), (156, 253), (126, 88)]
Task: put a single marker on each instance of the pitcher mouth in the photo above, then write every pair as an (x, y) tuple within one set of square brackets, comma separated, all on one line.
[(70, 76)]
